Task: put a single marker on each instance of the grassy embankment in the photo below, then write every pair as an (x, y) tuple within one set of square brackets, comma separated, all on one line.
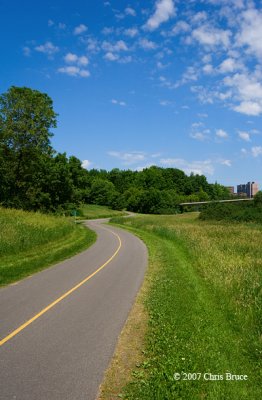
[(202, 304), (93, 211), (30, 242)]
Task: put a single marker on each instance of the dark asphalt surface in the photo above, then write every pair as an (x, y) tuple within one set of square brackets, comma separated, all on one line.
[(63, 354)]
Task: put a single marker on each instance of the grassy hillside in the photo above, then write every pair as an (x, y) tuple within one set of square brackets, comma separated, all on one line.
[(203, 307), (30, 242), (93, 211)]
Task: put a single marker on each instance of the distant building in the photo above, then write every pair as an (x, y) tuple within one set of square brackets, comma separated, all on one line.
[(249, 189), (231, 189)]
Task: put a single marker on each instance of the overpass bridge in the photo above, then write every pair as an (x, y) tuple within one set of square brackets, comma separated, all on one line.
[(195, 203), (199, 203)]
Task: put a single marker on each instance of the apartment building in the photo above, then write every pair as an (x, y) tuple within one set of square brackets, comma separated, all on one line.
[(249, 189)]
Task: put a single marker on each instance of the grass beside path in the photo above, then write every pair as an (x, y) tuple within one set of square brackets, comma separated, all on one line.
[(204, 310), (93, 211), (30, 242)]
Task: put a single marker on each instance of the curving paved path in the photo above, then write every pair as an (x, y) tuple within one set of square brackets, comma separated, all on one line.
[(62, 353)]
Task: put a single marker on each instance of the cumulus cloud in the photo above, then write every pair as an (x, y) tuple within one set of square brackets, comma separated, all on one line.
[(120, 45), (73, 58), (210, 36), (165, 9), (26, 51), (229, 65), (251, 31), (130, 11), (48, 48), (120, 103), (111, 56), (248, 90), (128, 158), (256, 151), (180, 27), (197, 167), (80, 29), (228, 163), (249, 108), (86, 164), (131, 32), (74, 71), (244, 136), (147, 44), (221, 133)]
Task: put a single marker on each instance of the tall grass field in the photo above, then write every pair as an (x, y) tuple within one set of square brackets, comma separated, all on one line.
[(203, 306), (30, 242)]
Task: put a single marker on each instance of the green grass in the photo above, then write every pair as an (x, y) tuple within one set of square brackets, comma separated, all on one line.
[(93, 211), (30, 242), (204, 307)]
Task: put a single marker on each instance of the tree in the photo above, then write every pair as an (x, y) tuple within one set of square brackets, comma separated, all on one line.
[(26, 117), (258, 199)]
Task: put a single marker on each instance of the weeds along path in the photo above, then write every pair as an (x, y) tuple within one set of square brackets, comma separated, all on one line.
[(30, 242), (203, 304)]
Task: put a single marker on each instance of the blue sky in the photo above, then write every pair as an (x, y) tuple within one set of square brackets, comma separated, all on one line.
[(139, 83)]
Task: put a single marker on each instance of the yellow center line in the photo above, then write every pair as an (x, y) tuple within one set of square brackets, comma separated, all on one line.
[(31, 320)]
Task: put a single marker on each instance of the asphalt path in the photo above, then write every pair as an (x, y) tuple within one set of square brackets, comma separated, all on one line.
[(60, 326)]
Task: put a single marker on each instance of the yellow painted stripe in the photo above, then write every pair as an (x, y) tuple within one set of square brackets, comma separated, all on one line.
[(30, 321)]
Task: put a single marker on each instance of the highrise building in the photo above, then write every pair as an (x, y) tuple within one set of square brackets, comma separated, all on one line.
[(249, 189)]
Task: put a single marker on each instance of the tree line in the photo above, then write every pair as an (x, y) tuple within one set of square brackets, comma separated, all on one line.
[(33, 176)]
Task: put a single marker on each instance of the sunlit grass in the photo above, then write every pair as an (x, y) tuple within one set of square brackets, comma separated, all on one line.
[(30, 242), (93, 211), (204, 307)]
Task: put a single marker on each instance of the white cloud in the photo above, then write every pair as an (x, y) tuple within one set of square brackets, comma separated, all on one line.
[(80, 29), (50, 22), (251, 31), (120, 45), (248, 90), (107, 31), (221, 133), (228, 163), (165, 103), (208, 69), (249, 108), (256, 151), (111, 57), (120, 103), (71, 58), (244, 136), (93, 45), (86, 164), (229, 65), (180, 27), (130, 11), (199, 17), (128, 158), (198, 136), (26, 51), (61, 25), (197, 167), (131, 32), (165, 9), (147, 44), (47, 48), (74, 71), (210, 36)]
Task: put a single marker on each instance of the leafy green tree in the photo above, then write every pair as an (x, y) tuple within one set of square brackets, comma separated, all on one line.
[(258, 199), (26, 117), (102, 192)]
